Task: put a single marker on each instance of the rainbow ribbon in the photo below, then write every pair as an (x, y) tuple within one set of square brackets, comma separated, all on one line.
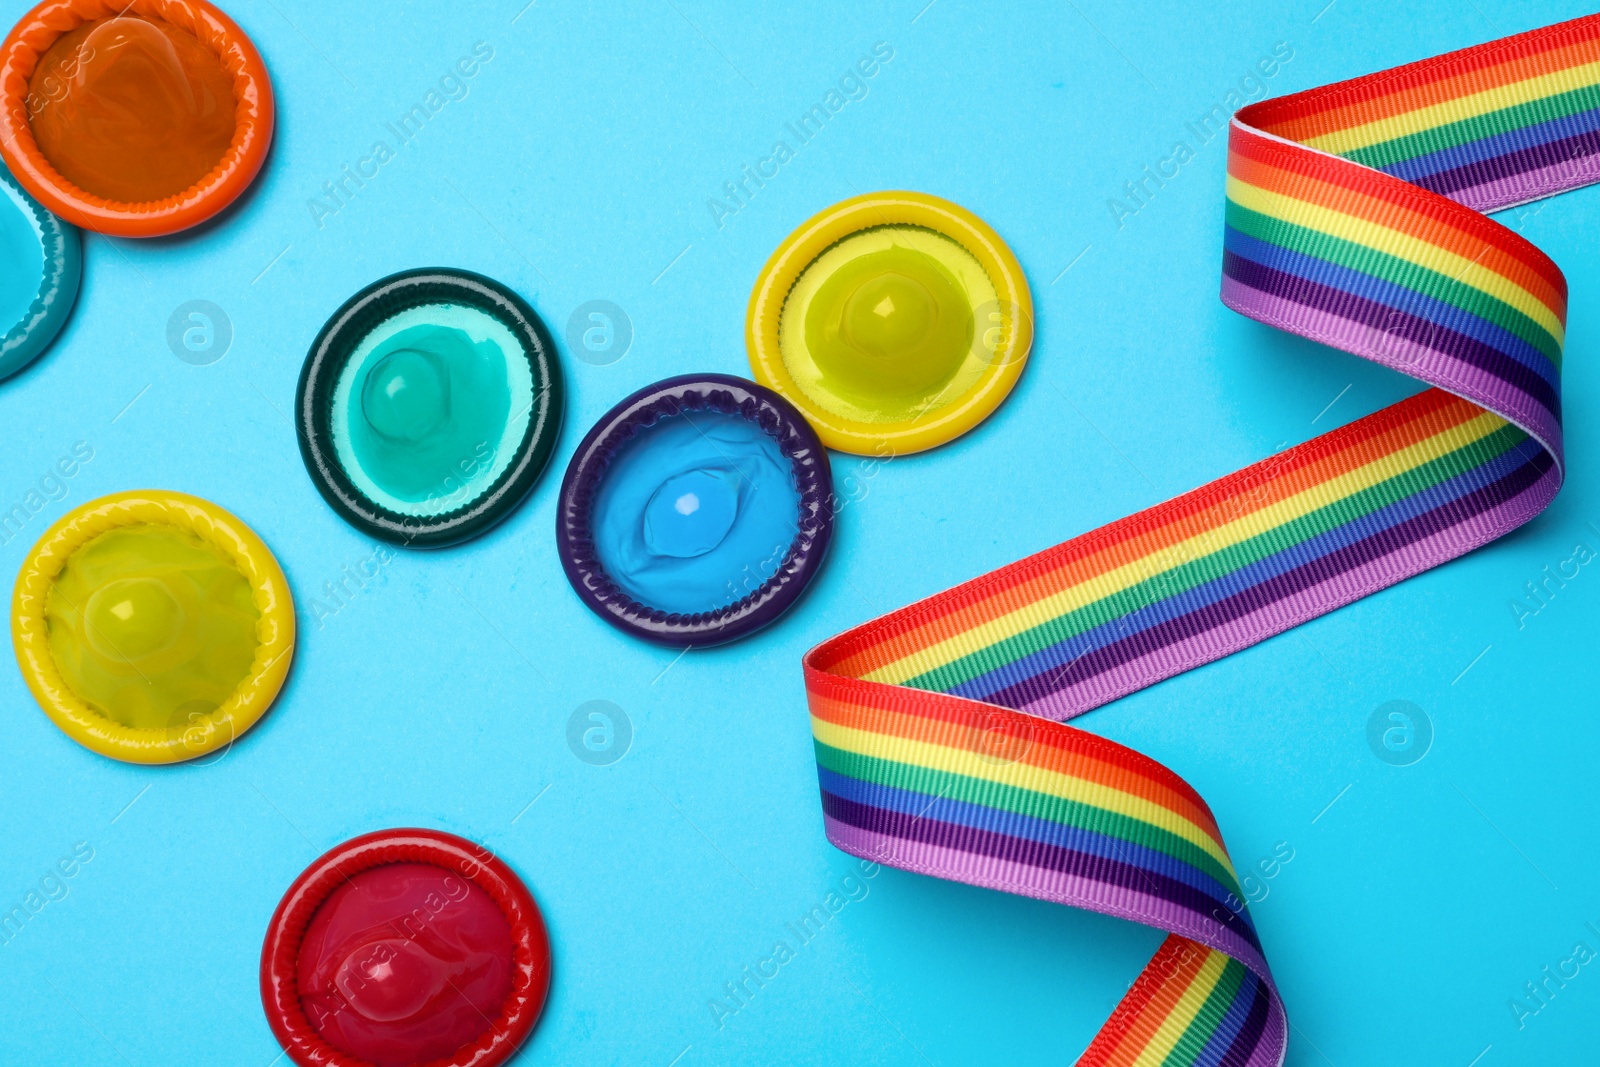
[(1353, 218)]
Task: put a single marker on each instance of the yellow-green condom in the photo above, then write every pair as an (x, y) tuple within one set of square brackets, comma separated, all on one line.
[(880, 327), (152, 626), (894, 321)]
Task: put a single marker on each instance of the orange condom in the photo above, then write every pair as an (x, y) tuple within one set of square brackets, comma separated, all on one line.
[(133, 120)]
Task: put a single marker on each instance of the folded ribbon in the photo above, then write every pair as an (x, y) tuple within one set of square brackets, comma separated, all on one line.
[(1353, 218)]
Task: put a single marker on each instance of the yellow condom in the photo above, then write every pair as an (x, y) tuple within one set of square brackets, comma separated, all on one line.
[(894, 321), (152, 626)]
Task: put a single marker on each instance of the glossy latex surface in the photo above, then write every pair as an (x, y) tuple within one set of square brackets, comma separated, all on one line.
[(430, 407), (696, 512), (881, 327), (131, 108), (405, 963), (41, 263), (21, 259), (151, 627)]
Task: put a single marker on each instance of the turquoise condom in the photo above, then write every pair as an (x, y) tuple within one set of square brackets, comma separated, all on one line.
[(40, 264), (428, 406)]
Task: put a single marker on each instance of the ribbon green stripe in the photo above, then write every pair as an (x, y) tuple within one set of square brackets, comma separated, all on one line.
[(1477, 128), (1217, 564), (936, 784), (1208, 1018), (1401, 272)]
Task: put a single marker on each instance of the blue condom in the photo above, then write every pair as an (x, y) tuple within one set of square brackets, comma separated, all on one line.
[(41, 260), (695, 511)]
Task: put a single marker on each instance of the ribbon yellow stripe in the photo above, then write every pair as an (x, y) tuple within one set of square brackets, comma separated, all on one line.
[(1019, 775), (1367, 205), (1465, 107), (1400, 245), (1165, 1039), (1202, 544)]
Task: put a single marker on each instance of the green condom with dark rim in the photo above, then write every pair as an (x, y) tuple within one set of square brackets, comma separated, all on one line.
[(429, 406)]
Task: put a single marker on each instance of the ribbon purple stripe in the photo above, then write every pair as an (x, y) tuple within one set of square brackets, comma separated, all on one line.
[(1568, 150), (1017, 683), (1248, 1047), (1011, 876), (1416, 317), (1025, 827), (978, 842), (1231, 1024), (1503, 192), (1379, 316), (1392, 351), (1285, 614), (1488, 148), (1314, 572)]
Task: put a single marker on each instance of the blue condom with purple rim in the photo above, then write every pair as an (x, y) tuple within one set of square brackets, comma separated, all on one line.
[(695, 511)]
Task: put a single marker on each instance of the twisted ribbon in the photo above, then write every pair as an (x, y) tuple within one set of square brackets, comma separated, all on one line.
[(1353, 218)]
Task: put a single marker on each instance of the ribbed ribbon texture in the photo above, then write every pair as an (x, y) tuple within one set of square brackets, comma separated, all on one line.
[(1353, 218)]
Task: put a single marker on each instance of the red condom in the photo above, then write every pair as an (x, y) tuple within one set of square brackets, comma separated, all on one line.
[(405, 947)]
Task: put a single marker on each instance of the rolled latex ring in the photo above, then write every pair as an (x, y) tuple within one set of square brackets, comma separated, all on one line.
[(894, 321), (152, 626), (405, 946), (42, 300), (428, 406), (695, 511), (31, 39)]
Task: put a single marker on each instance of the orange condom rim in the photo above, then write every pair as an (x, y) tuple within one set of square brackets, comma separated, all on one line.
[(832, 225), (220, 529), (253, 117)]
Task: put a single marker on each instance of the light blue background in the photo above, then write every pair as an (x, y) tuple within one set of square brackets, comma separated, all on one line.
[(578, 167)]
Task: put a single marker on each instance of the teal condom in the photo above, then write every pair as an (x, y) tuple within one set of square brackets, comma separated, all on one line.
[(428, 406), (40, 265)]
